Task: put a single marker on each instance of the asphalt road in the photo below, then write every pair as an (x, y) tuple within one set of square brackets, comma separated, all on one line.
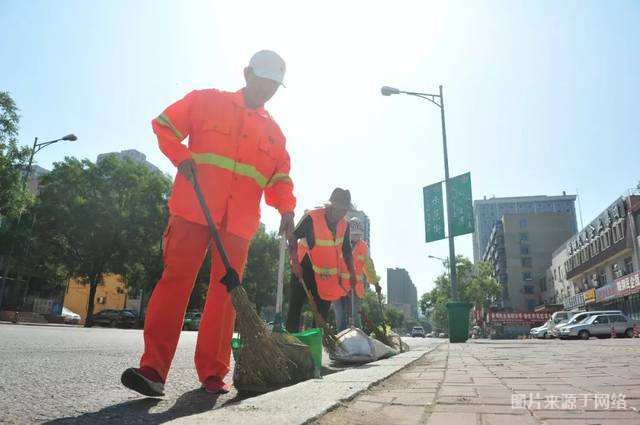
[(68, 375)]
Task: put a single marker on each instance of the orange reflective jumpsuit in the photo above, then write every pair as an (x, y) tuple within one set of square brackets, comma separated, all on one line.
[(240, 153)]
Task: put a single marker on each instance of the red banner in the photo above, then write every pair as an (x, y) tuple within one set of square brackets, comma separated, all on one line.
[(529, 318)]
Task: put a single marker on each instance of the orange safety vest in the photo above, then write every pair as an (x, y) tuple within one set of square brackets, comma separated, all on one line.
[(360, 254), (329, 267), (240, 153)]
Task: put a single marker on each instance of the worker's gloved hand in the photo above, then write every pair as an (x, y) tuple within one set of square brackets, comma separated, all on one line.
[(286, 225), (231, 280), (188, 169)]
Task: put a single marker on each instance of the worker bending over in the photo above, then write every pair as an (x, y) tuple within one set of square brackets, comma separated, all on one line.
[(239, 153)]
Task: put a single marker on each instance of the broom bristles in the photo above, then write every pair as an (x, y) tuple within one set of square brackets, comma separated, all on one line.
[(264, 361)]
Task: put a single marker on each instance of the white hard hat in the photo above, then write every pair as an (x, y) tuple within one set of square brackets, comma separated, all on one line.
[(268, 64)]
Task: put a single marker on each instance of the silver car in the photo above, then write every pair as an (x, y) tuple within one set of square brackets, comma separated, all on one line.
[(578, 318), (600, 326)]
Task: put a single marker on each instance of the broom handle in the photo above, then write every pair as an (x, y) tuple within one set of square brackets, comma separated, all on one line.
[(280, 276), (212, 226)]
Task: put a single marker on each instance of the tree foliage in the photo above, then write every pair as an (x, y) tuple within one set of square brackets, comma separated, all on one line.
[(261, 272), (13, 160), (94, 219), (373, 311), (475, 286)]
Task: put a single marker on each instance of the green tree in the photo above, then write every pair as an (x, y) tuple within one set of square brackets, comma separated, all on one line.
[(475, 285), (13, 160), (94, 219), (261, 272)]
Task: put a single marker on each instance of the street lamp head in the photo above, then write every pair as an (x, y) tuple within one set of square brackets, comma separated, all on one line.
[(388, 91), (70, 138)]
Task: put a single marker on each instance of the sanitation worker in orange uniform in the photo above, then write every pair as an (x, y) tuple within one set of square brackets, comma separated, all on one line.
[(238, 153)]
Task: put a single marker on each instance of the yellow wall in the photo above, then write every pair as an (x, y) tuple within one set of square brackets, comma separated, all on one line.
[(112, 289)]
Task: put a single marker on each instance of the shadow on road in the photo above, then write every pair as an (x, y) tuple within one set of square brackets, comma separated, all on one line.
[(138, 411)]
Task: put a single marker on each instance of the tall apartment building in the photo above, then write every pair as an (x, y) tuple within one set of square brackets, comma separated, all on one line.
[(401, 292), (132, 154), (488, 211), (520, 248)]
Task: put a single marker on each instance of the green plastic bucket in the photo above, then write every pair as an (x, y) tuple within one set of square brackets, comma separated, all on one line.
[(458, 314), (311, 338)]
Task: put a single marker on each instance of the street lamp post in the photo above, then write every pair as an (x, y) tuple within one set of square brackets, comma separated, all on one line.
[(438, 100), (37, 147)]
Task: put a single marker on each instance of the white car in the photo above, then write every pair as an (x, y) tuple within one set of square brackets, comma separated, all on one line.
[(69, 316), (540, 331)]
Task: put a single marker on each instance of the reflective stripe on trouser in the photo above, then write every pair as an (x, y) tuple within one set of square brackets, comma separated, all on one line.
[(184, 250)]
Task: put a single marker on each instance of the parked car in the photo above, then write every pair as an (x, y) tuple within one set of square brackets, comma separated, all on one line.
[(540, 331), (417, 331), (430, 335), (578, 318), (192, 321), (69, 316), (442, 335), (599, 325), (115, 318)]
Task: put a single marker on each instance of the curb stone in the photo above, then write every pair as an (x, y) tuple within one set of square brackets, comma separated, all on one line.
[(307, 401)]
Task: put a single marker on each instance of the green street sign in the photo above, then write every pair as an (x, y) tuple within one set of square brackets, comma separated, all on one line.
[(433, 212), (461, 204)]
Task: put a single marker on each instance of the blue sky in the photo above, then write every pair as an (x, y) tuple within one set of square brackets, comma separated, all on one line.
[(540, 96)]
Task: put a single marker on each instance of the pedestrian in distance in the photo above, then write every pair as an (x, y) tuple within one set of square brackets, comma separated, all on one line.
[(239, 153)]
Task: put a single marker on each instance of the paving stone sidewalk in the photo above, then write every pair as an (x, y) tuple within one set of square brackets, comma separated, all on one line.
[(527, 382)]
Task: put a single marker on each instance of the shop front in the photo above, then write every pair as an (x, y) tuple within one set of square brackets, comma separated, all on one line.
[(622, 294), (504, 325)]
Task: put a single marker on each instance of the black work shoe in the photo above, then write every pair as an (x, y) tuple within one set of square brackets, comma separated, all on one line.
[(134, 380)]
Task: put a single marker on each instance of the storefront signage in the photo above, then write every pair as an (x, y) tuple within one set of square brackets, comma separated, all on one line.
[(494, 316), (590, 296), (629, 284), (606, 293), (577, 301)]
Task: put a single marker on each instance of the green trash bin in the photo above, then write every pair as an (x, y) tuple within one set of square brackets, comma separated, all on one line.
[(458, 314)]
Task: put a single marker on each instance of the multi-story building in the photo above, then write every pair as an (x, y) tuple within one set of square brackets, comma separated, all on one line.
[(401, 292), (603, 260), (365, 222), (520, 248), (559, 287), (111, 293), (488, 211), (132, 154)]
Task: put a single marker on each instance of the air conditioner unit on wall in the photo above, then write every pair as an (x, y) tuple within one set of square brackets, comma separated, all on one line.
[(101, 300)]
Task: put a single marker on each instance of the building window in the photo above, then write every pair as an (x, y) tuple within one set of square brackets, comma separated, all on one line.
[(543, 284), (524, 249), (616, 271), (527, 276), (524, 237), (529, 289), (531, 304), (602, 278), (628, 265), (523, 223), (526, 262)]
